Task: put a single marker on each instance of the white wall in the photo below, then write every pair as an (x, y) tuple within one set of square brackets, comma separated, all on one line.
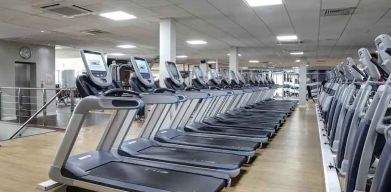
[(62, 64), (43, 56)]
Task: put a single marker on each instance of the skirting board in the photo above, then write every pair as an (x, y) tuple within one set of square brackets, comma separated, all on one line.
[(330, 173)]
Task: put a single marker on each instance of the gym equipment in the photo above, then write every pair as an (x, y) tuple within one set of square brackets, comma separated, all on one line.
[(360, 131), (146, 146), (218, 102), (142, 81), (104, 169)]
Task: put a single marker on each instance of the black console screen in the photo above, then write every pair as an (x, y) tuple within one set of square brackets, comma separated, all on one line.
[(142, 66), (173, 69), (96, 64)]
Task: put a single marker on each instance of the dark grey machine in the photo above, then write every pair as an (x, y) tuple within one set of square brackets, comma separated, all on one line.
[(104, 169), (142, 81)]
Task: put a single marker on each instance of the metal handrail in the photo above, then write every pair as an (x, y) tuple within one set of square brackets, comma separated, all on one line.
[(34, 88), (21, 128)]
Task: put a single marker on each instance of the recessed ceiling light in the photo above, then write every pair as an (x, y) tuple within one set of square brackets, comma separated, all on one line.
[(116, 54), (118, 15), (297, 53), (238, 54), (181, 56), (196, 42), (42, 31), (126, 46), (297, 60), (258, 3), (253, 61), (61, 47), (211, 62), (287, 38), (295, 67)]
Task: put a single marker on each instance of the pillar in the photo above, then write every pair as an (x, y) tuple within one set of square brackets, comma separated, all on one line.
[(233, 60), (302, 85), (167, 47)]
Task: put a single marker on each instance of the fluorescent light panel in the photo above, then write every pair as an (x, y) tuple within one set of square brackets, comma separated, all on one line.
[(117, 15), (126, 46), (297, 53), (116, 54), (181, 56), (287, 38), (238, 54), (211, 62), (196, 42), (297, 60), (258, 3), (253, 61), (58, 47)]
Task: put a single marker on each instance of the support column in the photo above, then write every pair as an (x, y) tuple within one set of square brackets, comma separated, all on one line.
[(303, 85), (233, 59), (167, 47), (217, 66)]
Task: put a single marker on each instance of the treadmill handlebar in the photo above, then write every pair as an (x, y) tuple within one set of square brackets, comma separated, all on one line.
[(194, 94), (107, 103), (191, 89), (217, 93), (162, 98), (162, 90), (120, 92)]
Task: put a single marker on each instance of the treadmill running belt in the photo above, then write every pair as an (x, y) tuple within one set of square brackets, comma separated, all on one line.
[(229, 160), (235, 131), (217, 142), (127, 174)]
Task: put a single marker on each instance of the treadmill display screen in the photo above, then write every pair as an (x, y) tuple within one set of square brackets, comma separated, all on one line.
[(198, 72), (95, 62), (173, 69), (142, 66)]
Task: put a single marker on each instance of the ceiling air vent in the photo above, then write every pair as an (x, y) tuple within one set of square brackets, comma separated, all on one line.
[(66, 10), (338, 11), (94, 32), (290, 43)]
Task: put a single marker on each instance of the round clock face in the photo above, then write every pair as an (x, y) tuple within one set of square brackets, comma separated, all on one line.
[(25, 52)]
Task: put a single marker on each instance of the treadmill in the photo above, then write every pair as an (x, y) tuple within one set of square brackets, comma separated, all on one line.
[(206, 106), (240, 117), (145, 147), (239, 121), (103, 169), (142, 81)]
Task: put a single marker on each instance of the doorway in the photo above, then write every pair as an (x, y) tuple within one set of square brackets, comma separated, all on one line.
[(24, 80)]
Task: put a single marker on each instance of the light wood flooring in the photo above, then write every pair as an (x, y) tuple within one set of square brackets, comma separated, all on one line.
[(291, 162)]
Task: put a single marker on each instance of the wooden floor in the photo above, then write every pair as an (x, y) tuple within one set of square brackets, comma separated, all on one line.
[(292, 161)]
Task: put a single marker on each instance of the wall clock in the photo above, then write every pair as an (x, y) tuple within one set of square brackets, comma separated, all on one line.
[(25, 52)]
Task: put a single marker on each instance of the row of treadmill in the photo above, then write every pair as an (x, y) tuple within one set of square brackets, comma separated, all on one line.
[(355, 106), (193, 138)]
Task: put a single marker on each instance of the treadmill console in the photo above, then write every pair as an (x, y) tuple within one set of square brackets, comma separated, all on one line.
[(174, 74), (234, 77), (383, 45), (172, 67), (199, 74), (142, 71), (366, 60), (96, 67)]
